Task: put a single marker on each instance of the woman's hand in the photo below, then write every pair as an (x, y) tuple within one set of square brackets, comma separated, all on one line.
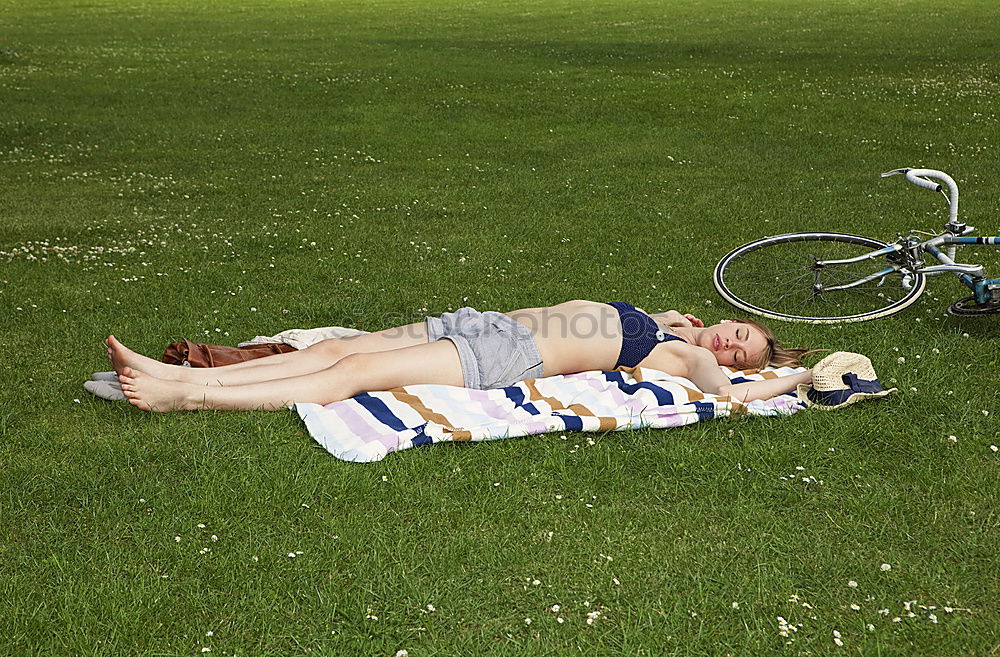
[(694, 320), (674, 318)]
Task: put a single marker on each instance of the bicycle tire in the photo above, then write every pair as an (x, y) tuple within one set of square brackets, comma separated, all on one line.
[(777, 283)]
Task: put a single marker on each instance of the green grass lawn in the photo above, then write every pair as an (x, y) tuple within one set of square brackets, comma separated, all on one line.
[(222, 170)]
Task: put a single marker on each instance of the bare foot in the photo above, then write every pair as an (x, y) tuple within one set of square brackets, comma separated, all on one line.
[(122, 357), (148, 393)]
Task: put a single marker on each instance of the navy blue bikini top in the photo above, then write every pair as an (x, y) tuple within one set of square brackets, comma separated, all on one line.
[(640, 334)]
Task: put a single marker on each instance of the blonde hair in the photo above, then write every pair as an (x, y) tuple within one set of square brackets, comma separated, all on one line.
[(775, 354)]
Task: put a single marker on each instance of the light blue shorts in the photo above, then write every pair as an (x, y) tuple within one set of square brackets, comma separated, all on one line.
[(495, 351)]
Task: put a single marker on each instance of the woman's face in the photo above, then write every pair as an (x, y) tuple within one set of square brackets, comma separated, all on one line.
[(734, 344)]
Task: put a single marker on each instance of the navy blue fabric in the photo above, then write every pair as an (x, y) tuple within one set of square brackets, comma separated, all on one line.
[(572, 422), (837, 397), (663, 397), (422, 438), (378, 408), (829, 397), (861, 385), (640, 334), (514, 394), (705, 410)]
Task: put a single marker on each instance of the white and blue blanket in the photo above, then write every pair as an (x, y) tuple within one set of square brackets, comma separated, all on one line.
[(371, 425)]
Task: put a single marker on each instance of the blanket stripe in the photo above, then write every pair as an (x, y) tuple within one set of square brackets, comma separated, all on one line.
[(371, 425)]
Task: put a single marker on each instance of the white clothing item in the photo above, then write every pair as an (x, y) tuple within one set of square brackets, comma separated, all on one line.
[(302, 338)]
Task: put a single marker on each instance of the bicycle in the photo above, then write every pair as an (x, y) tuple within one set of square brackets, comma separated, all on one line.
[(828, 278)]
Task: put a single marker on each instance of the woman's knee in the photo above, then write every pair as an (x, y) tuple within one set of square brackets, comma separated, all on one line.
[(352, 363), (345, 378), (332, 349)]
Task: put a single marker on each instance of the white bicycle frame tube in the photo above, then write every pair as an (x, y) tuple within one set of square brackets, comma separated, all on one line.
[(930, 246), (947, 261), (861, 281), (867, 256)]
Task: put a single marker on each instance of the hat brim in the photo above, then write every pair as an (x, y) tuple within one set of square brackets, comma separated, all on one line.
[(803, 389)]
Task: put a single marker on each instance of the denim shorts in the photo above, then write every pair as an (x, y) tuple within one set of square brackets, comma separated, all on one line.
[(495, 351)]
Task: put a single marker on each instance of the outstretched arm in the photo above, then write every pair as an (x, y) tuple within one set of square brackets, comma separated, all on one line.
[(751, 390), (704, 372)]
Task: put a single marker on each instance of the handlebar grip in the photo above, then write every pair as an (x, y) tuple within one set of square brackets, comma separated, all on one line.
[(912, 176)]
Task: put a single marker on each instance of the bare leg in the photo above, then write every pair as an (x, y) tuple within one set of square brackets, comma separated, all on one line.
[(312, 359), (122, 357), (435, 362)]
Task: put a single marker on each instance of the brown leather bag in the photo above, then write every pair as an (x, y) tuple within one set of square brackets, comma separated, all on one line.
[(196, 354)]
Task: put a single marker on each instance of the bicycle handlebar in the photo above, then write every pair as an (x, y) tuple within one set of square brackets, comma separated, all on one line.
[(919, 178), (913, 175)]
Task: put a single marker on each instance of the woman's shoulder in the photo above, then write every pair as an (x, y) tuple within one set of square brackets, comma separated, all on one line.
[(678, 357), (691, 354)]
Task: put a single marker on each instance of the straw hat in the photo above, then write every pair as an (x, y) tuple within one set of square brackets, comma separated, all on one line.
[(840, 379)]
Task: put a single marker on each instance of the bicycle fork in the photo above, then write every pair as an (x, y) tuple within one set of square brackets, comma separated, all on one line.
[(819, 265)]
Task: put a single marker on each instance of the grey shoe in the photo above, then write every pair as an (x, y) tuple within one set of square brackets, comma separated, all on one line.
[(104, 376), (105, 390)]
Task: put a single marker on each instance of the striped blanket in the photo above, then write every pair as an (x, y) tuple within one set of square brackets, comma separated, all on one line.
[(367, 427)]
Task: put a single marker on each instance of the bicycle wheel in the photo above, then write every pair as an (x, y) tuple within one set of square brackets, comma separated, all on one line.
[(775, 277)]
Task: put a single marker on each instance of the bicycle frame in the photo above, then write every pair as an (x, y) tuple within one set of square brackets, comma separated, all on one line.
[(912, 249), (970, 275)]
